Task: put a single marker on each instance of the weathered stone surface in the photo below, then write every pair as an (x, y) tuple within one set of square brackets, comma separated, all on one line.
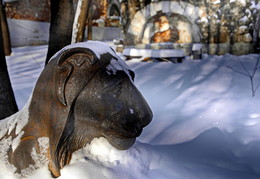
[(177, 7), (247, 38), (85, 91), (180, 15), (185, 34), (23, 10), (224, 36), (242, 48), (242, 30), (137, 25), (166, 7)]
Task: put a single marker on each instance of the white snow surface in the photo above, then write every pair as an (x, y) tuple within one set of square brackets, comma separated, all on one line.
[(206, 123), (118, 65), (217, 2), (197, 47)]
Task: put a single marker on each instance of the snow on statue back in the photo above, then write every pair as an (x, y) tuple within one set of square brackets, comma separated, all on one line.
[(85, 91)]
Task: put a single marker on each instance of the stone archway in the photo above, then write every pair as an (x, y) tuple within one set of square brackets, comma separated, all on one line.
[(113, 8), (179, 17)]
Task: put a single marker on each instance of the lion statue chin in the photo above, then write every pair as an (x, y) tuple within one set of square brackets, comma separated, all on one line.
[(85, 91)]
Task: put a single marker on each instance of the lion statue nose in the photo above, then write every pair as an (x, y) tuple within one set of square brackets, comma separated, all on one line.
[(141, 113), (133, 126), (147, 118), (139, 108)]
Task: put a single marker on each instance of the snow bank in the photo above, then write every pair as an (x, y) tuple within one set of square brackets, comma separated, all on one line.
[(104, 161), (202, 94)]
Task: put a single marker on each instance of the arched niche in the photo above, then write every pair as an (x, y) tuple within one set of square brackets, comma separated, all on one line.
[(180, 17)]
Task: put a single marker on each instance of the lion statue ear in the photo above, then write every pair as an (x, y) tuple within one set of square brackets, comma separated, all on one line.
[(67, 65), (73, 70)]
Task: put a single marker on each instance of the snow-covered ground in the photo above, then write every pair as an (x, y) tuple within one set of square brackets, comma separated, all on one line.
[(206, 123)]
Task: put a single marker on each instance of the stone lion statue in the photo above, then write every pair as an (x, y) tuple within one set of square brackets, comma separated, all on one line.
[(85, 91)]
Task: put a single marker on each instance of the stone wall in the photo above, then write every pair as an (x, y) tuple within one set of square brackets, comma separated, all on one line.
[(223, 26)]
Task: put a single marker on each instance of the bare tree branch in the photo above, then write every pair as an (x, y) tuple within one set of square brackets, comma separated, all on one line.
[(257, 86), (255, 67), (247, 73), (235, 70), (243, 66)]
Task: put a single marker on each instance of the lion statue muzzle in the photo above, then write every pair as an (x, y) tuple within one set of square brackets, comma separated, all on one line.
[(85, 91)]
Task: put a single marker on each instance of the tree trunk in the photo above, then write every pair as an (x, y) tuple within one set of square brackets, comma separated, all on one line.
[(8, 104), (5, 31), (132, 7), (256, 33), (62, 17), (90, 17), (79, 25)]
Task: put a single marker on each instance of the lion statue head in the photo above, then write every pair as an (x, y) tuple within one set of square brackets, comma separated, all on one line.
[(85, 91)]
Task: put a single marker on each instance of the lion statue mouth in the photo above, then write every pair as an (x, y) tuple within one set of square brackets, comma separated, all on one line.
[(121, 143)]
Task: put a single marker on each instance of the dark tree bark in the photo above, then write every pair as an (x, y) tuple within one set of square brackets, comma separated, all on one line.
[(8, 104), (62, 17), (90, 19), (146, 2), (5, 31)]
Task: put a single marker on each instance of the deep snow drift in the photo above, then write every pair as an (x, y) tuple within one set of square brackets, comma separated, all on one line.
[(206, 123)]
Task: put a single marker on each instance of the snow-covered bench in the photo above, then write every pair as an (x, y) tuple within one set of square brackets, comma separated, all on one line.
[(174, 55)]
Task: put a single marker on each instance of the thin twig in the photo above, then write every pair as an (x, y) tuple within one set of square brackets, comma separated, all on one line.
[(257, 86), (247, 73), (255, 67), (237, 71), (243, 66)]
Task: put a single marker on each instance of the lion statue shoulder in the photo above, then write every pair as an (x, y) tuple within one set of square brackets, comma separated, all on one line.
[(85, 91)]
